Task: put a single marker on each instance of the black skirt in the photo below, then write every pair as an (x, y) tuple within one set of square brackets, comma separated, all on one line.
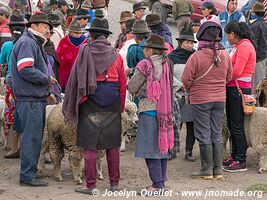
[(99, 127)]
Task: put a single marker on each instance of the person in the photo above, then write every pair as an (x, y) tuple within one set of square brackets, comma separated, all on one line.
[(259, 29), (17, 27), (209, 11), (159, 28), (206, 72), (129, 41), (155, 135), (61, 11), (125, 15), (57, 31), (182, 11), (243, 60), (30, 87), (83, 18), (179, 58), (98, 108), (230, 14), (139, 11), (246, 9), (68, 50), (5, 34), (195, 26), (51, 7), (86, 5), (136, 51)]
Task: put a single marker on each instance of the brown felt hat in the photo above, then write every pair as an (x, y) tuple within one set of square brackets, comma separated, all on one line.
[(155, 42), (75, 27), (139, 27), (39, 17), (125, 15), (153, 20), (259, 7)]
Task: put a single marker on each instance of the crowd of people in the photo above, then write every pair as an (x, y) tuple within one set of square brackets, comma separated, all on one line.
[(61, 50)]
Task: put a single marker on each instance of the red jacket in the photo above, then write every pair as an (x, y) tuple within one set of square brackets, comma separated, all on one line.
[(67, 54)]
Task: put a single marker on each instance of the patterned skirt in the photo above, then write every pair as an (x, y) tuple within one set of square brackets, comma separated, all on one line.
[(10, 107)]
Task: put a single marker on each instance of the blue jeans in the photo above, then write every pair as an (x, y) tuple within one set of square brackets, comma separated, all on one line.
[(29, 121)]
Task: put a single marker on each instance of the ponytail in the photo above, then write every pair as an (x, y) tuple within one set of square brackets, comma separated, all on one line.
[(241, 30)]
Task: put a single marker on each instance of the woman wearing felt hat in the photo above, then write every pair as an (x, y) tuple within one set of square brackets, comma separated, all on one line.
[(205, 76), (152, 83), (17, 27), (179, 57)]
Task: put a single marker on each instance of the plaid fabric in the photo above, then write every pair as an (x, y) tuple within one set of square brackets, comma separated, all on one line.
[(176, 122)]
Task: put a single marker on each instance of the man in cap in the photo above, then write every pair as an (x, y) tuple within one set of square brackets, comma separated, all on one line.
[(94, 101), (182, 11), (125, 15), (61, 11), (30, 86), (259, 28), (5, 34), (139, 11), (230, 14)]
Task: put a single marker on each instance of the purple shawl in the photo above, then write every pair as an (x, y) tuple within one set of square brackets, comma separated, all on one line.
[(92, 60)]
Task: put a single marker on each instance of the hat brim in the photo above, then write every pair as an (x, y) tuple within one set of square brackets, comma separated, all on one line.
[(195, 24), (124, 20), (139, 9), (140, 32), (83, 17), (188, 39), (101, 30), (154, 46), (16, 24), (154, 23), (202, 7), (36, 22)]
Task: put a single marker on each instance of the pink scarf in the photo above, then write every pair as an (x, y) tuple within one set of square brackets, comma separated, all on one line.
[(160, 92)]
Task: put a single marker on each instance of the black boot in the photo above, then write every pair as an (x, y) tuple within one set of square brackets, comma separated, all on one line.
[(206, 163), (217, 161)]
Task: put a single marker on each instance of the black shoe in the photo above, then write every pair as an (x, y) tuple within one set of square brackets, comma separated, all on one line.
[(89, 191), (34, 183), (114, 188)]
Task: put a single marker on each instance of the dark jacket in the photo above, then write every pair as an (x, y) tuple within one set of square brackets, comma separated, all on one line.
[(29, 69), (259, 28), (164, 31)]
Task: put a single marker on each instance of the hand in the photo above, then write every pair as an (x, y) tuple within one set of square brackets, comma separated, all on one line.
[(52, 80), (129, 71), (51, 99)]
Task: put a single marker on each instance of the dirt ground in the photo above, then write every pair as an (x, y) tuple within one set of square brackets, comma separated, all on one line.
[(134, 177)]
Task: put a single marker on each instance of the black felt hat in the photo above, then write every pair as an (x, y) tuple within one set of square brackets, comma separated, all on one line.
[(39, 17), (187, 34), (138, 6), (100, 25)]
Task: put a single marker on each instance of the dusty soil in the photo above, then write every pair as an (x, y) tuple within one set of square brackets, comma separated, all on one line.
[(134, 177)]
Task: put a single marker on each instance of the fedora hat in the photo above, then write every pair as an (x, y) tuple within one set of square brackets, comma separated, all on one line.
[(54, 19), (39, 17), (17, 20), (196, 22), (153, 20), (100, 25), (86, 4), (138, 6), (155, 42), (139, 27), (129, 25), (75, 27), (125, 15), (82, 14), (99, 13), (259, 7), (187, 34)]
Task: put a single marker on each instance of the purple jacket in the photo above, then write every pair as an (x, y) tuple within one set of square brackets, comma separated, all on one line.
[(164, 31)]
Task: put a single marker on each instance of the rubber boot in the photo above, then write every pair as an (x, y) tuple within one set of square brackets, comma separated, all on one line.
[(217, 161), (206, 163)]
